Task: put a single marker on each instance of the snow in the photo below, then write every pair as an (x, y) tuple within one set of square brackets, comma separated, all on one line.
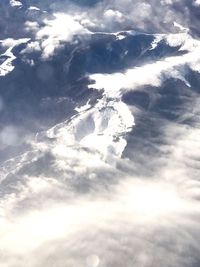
[(7, 66), (101, 128), (34, 8)]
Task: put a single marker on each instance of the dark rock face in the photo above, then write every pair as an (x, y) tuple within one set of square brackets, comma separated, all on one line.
[(86, 2)]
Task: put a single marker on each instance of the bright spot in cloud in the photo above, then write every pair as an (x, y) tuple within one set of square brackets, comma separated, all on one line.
[(16, 3), (151, 199), (92, 261), (197, 3)]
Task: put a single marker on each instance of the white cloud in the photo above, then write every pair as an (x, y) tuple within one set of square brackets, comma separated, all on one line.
[(151, 15), (34, 8), (58, 30), (111, 15), (91, 213), (31, 47), (151, 73), (121, 218), (43, 220), (10, 42), (31, 26), (15, 3), (169, 2), (197, 2)]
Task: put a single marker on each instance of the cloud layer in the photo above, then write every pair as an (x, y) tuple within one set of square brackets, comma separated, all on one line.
[(116, 182)]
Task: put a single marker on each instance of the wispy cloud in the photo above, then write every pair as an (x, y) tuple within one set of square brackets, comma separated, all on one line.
[(56, 31), (152, 73), (76, 197)]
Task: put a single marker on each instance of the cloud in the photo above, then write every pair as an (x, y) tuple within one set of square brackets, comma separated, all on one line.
[(34, 8), (74, 212), (57, 31), (31, 47), (145, 221), (111, 14), (15, 3), (197, 3), (137, 14), (63, 203), (31, 26), (10, 42), (108, 16), (114, 84)]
